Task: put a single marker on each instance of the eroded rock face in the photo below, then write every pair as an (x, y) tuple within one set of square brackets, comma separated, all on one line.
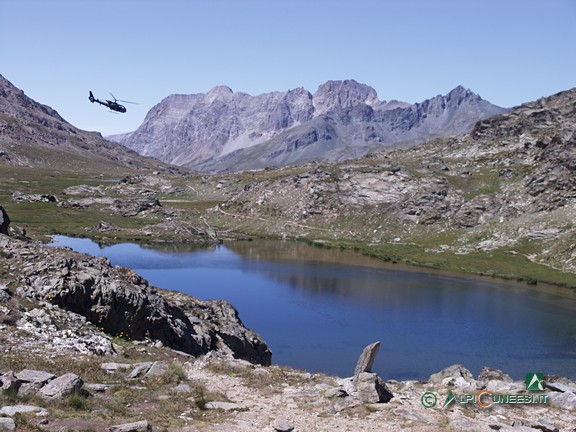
[(122, 303)]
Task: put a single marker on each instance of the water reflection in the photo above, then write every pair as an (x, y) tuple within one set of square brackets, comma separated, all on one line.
[(318, 308)]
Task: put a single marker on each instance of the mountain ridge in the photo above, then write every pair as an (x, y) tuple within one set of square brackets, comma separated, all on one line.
[(220, 130)]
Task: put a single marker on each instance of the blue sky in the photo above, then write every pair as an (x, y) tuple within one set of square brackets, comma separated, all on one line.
[(508, 51)]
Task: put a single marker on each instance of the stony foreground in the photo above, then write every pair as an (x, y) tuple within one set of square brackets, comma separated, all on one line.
[(244, 397)]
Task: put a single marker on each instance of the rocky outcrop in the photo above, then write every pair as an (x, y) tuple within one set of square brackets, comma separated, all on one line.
[(129, 207), (46, 385), (222, 130), (121, 303), (33, 198)]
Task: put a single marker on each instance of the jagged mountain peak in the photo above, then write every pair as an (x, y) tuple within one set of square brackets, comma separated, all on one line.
[(219, 92), (460, 93), (221, 89), (223, 130), (343, 94)]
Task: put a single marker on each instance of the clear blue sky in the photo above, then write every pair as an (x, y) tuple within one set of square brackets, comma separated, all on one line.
[(508, 51)]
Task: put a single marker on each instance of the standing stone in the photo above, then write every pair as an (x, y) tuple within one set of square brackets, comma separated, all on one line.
[(4, 221), (366, 360), (62, 387)]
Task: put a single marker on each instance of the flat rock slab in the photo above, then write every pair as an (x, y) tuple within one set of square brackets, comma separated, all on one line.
[(62, 387), (29, 375), (96, 387), (226, 406), (114, 367), (12, 410), (566, 400), (141, 426), (561, 387)]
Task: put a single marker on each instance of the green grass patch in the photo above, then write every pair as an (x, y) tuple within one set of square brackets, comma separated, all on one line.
[(502, 263)]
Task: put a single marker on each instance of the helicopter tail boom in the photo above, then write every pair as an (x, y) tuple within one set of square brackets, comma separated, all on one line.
[(92, 99)]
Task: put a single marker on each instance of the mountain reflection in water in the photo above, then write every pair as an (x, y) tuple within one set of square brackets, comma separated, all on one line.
[(317, 308)]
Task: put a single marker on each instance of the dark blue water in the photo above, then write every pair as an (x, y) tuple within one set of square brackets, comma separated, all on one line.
[(317, 308)]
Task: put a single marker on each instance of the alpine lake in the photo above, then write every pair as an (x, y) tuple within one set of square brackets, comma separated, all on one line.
[(318, 308)]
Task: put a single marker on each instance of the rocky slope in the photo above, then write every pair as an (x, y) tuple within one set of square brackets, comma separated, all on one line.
[(222, 130), (119, 302), (34, 135)]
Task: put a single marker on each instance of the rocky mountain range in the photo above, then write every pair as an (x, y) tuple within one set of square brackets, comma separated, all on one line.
[(508, 186), (226, 131), (35, 135)]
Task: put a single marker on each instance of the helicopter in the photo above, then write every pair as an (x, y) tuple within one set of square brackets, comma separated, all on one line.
[(113, 105)]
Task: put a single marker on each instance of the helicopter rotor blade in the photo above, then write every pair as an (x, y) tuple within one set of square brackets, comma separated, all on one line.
[(123, 101)]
